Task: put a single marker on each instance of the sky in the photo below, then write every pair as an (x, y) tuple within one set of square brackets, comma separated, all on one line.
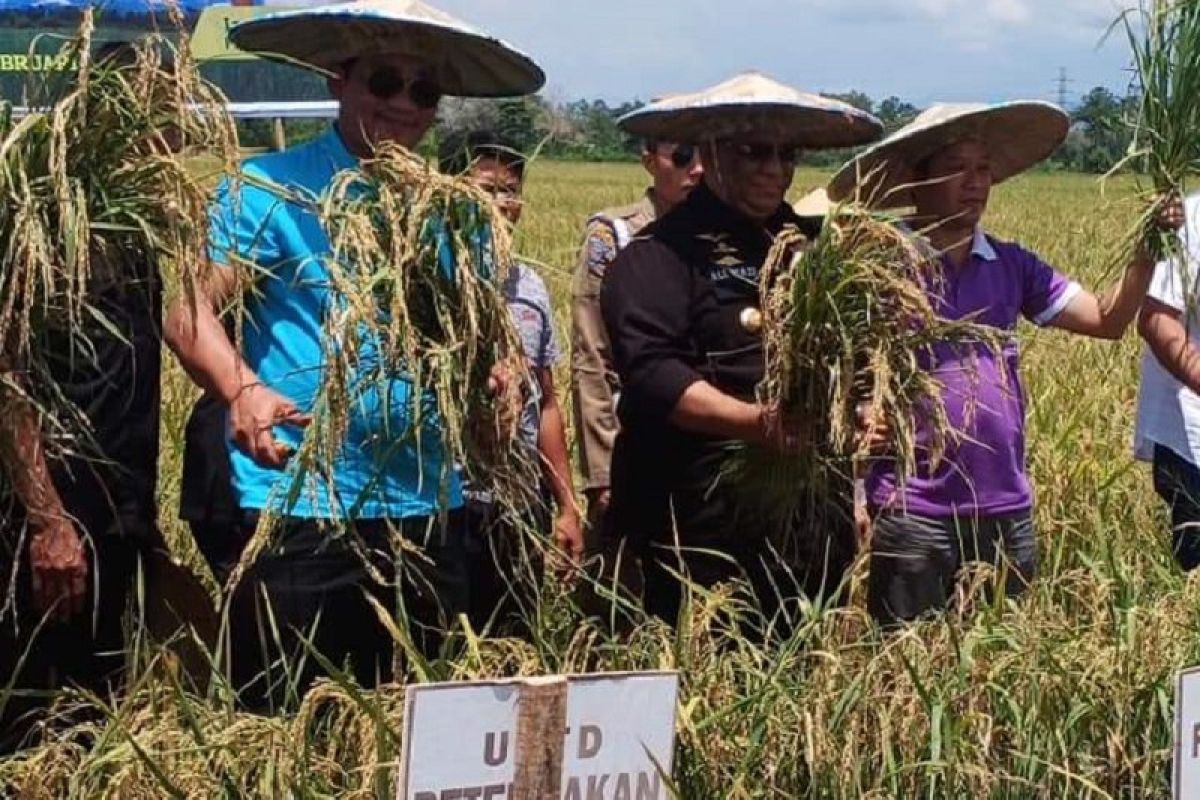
[(922, 51)]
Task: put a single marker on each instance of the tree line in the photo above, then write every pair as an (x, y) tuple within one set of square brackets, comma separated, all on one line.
[(584, 130), (587, 130)]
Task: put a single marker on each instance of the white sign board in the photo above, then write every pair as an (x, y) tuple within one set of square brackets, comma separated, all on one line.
[(618, 738), (1187, 735)]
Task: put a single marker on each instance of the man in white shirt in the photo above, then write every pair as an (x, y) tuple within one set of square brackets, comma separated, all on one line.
[(1168, 421)]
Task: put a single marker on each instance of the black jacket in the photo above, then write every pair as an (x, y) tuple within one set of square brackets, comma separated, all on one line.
[(674, 303)]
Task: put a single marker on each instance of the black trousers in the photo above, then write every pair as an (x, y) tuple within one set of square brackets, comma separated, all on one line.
[(714, 535), (916, 560), (310, 593), (505, 567), (39, 657), (1177, 481), (779, 578)]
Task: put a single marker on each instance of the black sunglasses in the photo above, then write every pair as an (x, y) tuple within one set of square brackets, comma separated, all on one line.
[(385, 83), (762, 153), (684, 155)]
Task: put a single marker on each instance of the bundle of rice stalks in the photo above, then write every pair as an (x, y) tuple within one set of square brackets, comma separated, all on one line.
[(96, 193), (157, 741), (849, 322), (1165, 37), (414, 275)]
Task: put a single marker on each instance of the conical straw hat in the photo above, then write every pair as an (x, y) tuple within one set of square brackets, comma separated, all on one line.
[(1018, 135), (814, 204), (751, 104), (469, 63)]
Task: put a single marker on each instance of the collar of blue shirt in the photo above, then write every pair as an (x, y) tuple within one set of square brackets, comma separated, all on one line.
[(331, 142)]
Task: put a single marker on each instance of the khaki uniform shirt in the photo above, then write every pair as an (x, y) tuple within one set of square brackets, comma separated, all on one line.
[(594, 383)]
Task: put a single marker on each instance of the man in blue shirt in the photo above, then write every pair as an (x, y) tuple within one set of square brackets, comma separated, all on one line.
[(314, 583)]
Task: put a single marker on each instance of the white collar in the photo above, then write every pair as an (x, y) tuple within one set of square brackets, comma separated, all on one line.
[(982, 247)]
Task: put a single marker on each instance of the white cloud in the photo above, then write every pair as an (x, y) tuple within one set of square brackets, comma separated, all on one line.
[(921, 50), (1012, 12)]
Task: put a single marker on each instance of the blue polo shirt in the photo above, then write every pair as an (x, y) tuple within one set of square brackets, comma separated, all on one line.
[(388, 468)]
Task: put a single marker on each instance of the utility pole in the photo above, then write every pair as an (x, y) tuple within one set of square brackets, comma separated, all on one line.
[(1063, 91)]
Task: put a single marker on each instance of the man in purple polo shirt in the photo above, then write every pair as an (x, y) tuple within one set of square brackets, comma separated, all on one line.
[(976, 503)]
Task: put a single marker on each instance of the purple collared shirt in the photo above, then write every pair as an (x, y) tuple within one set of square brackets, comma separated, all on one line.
[(983, 470)]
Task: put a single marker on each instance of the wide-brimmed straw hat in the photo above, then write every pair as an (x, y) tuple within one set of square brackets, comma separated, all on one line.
[(814, 204), (468, 62), (751, 104), (1018, 135)]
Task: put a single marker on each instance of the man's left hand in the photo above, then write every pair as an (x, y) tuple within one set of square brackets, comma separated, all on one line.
[(863, 526), (568, 535), (508, 395), (1170, 216)]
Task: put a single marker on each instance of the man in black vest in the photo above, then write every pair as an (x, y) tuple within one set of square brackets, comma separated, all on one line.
[(680, 304)]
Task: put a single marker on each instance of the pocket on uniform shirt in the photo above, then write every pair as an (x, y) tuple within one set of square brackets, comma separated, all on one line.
[(732, 363)]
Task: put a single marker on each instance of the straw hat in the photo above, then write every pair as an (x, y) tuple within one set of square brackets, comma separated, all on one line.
[(1018, 135), (753, 104), (469, 63), (814, 204)]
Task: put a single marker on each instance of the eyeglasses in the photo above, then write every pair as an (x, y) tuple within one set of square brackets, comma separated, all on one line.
[(762, 153), (683, 156), (384, 83)]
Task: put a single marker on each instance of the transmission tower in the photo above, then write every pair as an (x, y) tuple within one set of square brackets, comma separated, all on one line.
[(1063, 85)]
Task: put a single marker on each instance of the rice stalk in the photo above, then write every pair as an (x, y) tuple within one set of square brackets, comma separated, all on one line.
[(997, 699), (417, 265), (99, 201), (850, 320), (1066, 693), (95, 187), (1165, 39), (415, 268)]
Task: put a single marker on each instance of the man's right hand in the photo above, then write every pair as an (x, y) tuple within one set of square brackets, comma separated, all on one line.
[(874, 432), (253, 415), (781, 433), (59, 567)]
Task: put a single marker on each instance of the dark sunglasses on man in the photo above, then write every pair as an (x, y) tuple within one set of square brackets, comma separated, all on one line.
[(384, 83), (683, 156), (760, 153)]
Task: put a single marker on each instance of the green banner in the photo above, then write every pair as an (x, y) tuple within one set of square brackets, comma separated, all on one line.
[(32, 33)]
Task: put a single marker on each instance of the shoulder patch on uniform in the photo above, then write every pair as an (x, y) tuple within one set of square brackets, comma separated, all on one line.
[(601, 246)]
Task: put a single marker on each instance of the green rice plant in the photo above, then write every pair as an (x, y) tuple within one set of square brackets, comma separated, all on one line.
[(998, 699), (99, 201), (1066, 693), (1165, 38), (849, 323), (96, 189), (414, 275), (417, 263)]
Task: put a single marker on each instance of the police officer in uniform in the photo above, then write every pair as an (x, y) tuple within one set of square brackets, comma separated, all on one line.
[(680, 306), (675, 170)]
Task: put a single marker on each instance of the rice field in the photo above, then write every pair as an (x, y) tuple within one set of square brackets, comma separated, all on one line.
[(1064, 693)]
